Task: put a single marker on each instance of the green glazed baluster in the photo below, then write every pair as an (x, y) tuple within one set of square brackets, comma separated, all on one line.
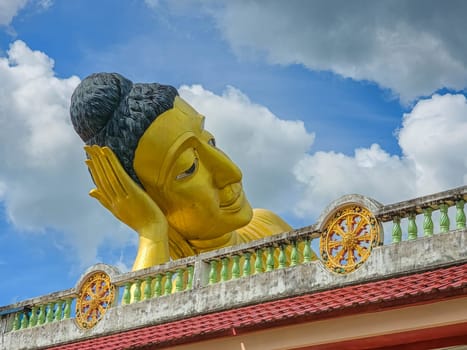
[(396, 230), (307, 251), (147, 288), (428, 222), (270, 259), (189, 284), (58, 311), (236, 266), (225, 269), (42, 314), (158, 285), (168, 283), (247, 264), (460, 215), (213, 272), (50, 312), (412, 227), (179, 280), (137, 291), (24, 320), (127, 294), (282, 257), (259, 261), (33, 318), (444, 218), (16, 322), (67, 311), (294, 254)]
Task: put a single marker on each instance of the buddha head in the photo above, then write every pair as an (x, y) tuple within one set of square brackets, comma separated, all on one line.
[(161, 143)]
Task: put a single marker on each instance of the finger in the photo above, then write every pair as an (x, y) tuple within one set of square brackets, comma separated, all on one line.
[(97, 175), (98, 195), (114, 171), (120, 173), (102, 182), (107, 177), (97, 181), (92, 169)]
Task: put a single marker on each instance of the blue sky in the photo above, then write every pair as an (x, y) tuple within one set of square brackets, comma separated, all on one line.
[(319, 98)]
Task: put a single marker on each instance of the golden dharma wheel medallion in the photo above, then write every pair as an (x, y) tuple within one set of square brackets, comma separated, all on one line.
[(95, 297), (350, 235)]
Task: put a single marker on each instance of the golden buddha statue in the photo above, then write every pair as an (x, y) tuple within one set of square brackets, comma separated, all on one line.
[(159, 171)]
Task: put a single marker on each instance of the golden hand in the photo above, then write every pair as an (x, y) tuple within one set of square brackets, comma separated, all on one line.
[(116, 191)]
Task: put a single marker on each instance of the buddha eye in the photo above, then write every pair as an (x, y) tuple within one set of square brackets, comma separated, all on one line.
[(189, 171), (212, 142)]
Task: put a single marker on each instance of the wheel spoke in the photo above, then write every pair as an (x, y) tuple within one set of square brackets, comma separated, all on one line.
[(101, 309), (87, 314), (350, 257), (340, 255), (94, 314), (350, 223), (361, 251), (91, 293), (334, 244), (85, 303), (102, 292), (360, 225), (365, 237), (107, 299), (338, 230)]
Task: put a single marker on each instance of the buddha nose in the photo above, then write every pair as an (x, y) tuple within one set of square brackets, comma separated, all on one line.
[(224, 170)]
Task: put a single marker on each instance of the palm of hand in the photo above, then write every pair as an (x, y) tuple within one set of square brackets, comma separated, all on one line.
[(116, 191)]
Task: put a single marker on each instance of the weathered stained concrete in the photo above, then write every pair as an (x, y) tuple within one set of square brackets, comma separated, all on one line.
[(385, 262)]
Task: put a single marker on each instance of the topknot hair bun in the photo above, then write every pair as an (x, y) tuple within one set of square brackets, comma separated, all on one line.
[(94, 102), (109, 110)]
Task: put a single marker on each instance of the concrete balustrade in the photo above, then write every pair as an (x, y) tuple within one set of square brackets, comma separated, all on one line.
[(428, 232)]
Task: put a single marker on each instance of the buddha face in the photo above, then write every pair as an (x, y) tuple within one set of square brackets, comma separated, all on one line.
[(194, 183)]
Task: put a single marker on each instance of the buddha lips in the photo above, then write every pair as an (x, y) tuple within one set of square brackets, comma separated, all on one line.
[(231, 197)]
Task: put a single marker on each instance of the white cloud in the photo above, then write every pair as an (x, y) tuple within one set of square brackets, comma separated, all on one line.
[(434, 137), (264, 146), (410, 47), (9, 9), (44, 183), (433, 142), (326, 176), (43, 179), (281, 174)]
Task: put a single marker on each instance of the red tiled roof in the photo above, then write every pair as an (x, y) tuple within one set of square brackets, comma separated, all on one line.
[(404, 290)]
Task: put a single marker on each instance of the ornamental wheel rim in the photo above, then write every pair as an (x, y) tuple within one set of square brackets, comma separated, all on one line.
[(350, 235), (95, 297)]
